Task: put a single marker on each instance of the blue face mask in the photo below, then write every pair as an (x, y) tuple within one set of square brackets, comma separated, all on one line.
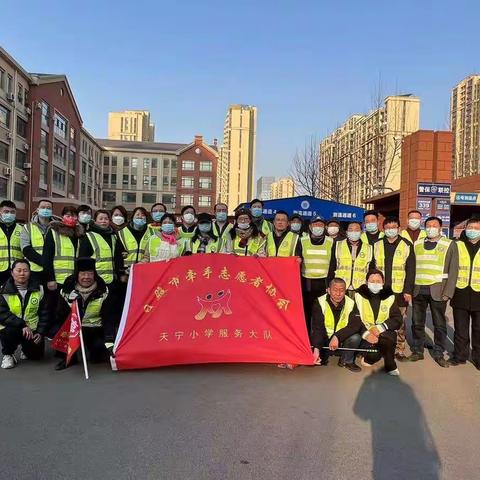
[(85, 218), (257, 211), (168, 228), (204, 227), (295, 227), (472, 234), (221, 216), (8, 217), (371, 227), (157, 216), (45, 212), (139, 222)]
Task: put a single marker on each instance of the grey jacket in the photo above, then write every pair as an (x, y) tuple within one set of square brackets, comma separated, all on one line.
[(447, 286)]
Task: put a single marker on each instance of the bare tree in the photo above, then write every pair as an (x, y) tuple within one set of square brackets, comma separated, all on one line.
[(305, 168)]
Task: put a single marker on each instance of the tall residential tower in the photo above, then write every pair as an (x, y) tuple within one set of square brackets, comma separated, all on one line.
[(131, 125)]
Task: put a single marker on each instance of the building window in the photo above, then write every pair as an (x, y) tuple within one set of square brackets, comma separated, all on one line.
[(168, 198), (188, 165), (128, 197), (166, 163), (3, 187), (83, 189), (105, 178), (58, 178), (174, 164), (114, 161), (44, 142), (205, 183), (20, 159), (71, 184), (204, 201), (173, 182), (149, 198), (186, 200), (187, 182), (59, 153), (72, 160), (90, 172), (4, 116), (109, 197), (153, 180), (126, 161), (146, 180), (19, 192), (84, 170), (60, 126), (45, 113), (113, 178), (166, 182), (125, 180), (154, 163), (134, 162), (205, 166), (21, 127), (146, 163), (10, 84), (2, 79), (20, 93), (43, 172), (3, 153), (106, 161), (133, 180), (72, 135)]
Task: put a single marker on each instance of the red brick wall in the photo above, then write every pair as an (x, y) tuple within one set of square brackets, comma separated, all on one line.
[(467, 184), (426, 157), (205, 154)]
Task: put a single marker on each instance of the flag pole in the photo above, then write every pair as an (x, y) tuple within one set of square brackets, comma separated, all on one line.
[(367, 350), (84, 358)]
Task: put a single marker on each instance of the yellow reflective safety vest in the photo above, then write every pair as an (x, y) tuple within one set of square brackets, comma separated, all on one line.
[(29, 312), (103, 255), (330, 326), (254, 244), (265, 227), (37, 241), (134, 250), (154, 245), (185, 235), (405, 234), (222, 237), (316, 258), (468, 272), (92, 312), (286, 247), (10, 249), (366, 312), (211, 247), (431, 263), (152, 229), (364, 237), (353, 272), (64, 260), (402, 251)]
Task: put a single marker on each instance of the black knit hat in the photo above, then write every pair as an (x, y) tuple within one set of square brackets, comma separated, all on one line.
[(85, 264), (204, 218)]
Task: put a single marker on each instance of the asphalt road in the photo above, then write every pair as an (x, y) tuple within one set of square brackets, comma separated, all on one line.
[(240, 422)]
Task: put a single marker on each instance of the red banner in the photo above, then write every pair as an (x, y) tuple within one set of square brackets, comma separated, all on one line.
[(67, 339), (213, 308)]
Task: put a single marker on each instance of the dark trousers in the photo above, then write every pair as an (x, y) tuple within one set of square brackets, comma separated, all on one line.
[(346, 357), (94, 340), (437, 308), (461, 319), (386, 350), (311, 290), (12, 337)]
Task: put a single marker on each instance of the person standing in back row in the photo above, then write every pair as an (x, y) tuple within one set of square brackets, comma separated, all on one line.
[(372, 232), (263, 225), (281, 242), (10, 246), (414, 232)]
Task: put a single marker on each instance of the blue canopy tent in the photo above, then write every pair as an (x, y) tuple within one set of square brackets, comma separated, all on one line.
[(310, 207)]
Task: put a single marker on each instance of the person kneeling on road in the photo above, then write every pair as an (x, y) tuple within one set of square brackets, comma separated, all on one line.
[(23, 316), (336, 323), (90, 291), (381, 318)]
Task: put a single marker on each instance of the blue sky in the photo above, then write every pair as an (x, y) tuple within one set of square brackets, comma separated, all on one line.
[(306, 65)]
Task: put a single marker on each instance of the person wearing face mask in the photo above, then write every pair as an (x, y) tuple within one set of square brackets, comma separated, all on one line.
[(10, 246), (351, 258), (204, 240), (395, 258), (380, 318), (134, 237), (32, 239), (466, 299), (187, 229), (256, 209), (435, 279), (315, 251), (413, 232), (336, 323), (164, 245), (157, 212), (221, 226), (372, 233), (334, 232), (244, 238), (297, 226), (85, 216), (281, 242), (119, 217)]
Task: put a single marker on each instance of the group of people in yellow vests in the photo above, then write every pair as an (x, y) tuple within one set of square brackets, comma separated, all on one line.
[(357, 283)]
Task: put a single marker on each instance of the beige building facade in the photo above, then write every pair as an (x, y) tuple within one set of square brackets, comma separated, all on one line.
[(131, 125), (237, 156), (465, 124), (282, 188), (362, 157)]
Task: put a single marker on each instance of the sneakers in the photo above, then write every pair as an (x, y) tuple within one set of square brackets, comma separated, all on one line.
[(415, 357), (442, 362), (401, 357), (352, 367), (453, 362), (23, 356), (8, 361), (394, 373)]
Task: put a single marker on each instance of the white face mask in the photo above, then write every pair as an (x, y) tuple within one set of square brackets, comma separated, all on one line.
[(391, 232), (414, 223), (118, 220), (354, 236), (189, 218), (295, 227), (432, 232), (375, 287), (318, 231), (333, 230)]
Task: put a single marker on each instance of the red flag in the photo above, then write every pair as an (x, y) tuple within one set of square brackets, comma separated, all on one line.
[(67, 339), (213, 308)]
